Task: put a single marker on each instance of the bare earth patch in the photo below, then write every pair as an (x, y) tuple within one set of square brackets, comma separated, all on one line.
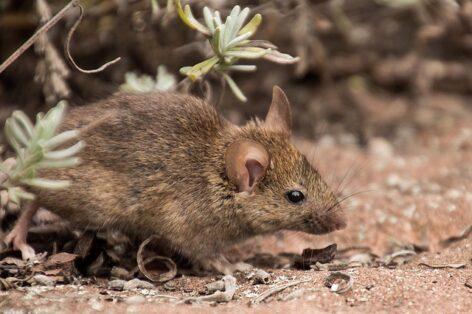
[(412, 200)]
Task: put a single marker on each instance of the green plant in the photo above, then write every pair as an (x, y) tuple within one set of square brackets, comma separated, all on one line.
[(37, 147), (164, 81), (230, 42)]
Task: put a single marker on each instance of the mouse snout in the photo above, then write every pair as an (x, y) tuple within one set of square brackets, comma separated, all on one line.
[(331, 220)]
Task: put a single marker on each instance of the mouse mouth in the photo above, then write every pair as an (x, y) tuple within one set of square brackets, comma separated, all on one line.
[(325, 224)]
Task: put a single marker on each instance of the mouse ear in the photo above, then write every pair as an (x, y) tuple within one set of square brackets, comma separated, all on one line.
[(246, 164), (279, 117)]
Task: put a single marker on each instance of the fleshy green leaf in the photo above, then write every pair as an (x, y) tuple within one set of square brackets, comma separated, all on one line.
[(252, 26), (234, 88), (201, 68), (247, 52), (47, 184), (281, 58)]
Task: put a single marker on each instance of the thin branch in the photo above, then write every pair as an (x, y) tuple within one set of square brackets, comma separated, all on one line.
[(67, 48), (36, 35), (276, 289)]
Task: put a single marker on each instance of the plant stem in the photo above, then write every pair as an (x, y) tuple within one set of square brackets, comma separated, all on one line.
[(53, 21)]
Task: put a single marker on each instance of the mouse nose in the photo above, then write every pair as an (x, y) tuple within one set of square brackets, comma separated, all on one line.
[(334, 219)]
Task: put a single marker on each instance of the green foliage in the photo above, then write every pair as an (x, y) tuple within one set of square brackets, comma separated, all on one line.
[(164, 81), (230, 42), (37, 147)]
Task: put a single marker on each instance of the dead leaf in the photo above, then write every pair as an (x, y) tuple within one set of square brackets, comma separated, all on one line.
[(53, 272), (463, 235), (468, 283), (19, 263), (338, 282), (454, 266), (398, 258), (167, 262), (313, 256), (60, 259)]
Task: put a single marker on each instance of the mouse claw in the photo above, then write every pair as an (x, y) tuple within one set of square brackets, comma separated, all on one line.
[(17, 236)]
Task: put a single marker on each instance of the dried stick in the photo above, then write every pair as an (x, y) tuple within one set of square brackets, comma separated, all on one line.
[(276, 289), (53, 21), (67, 48)]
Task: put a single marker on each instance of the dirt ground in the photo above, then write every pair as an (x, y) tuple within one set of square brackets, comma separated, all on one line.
[(385, 91), (418, 197)]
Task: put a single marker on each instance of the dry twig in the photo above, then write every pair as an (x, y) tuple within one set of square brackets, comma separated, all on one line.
[(53, 21), (67, 48), (276, 289)]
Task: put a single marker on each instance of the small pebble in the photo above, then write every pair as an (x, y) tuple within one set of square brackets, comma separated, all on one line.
[(117, 284), (137, 284)]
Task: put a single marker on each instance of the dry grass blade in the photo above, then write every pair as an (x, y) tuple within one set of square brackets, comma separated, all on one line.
[(338, 282), (276, 289), (167, 262), (67, 48)]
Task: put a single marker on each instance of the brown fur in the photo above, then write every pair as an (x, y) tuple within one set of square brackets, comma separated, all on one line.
[(156, 166)]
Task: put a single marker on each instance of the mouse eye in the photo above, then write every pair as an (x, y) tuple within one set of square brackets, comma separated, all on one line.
[(295, 196)]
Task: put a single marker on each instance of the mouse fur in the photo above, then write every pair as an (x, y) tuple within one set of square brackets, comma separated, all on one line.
[(157, 164)]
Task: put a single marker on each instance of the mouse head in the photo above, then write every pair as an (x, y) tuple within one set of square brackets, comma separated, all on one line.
[(276, 187)]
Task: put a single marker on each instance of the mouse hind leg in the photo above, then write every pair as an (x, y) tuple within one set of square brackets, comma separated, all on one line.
[(17, 237)]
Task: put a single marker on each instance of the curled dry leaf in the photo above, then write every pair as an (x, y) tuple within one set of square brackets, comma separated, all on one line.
[(338, 282), (454, 266), (60, 259), (167, 262), (313, 256), (399, 258)]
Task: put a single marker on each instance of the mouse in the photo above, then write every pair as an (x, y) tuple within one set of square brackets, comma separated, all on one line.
[(170, 165)]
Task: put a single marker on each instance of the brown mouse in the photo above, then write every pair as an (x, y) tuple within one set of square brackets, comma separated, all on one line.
[(169, 165)]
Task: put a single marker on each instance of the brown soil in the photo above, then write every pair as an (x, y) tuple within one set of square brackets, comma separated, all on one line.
[(419, 197)]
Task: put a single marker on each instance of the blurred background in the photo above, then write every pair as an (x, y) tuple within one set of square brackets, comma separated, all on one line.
[(382, 94)]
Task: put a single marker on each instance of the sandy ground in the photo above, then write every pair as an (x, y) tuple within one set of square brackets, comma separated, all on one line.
[(419, 196)]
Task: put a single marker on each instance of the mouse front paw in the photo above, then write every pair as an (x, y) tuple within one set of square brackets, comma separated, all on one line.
[(17, 239)]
